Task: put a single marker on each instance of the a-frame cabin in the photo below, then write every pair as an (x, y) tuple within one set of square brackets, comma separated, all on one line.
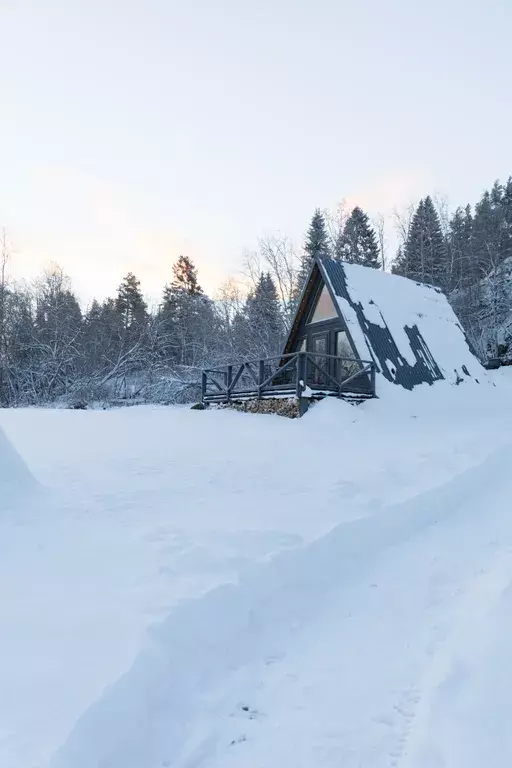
[(319, 328), (354, 329)]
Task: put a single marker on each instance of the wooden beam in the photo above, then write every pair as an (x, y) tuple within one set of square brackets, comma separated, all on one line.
[(364, 370), (326, 373), (261, 377), (252, 373), (220, 387), (281, 369), (300, 381), (229, 379), (238, 374)]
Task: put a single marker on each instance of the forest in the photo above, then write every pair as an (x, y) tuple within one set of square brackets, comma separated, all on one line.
[(54, 350)]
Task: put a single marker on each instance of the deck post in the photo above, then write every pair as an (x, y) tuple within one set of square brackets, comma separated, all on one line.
[(372, 379), (229, 381), (300, 382), (203, 386), (261, 377)]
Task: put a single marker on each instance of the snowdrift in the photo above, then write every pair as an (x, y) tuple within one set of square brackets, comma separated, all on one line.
[(339, 653), (178, 704), (15, 477)]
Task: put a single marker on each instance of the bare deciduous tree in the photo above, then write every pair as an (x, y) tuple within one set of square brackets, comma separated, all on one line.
[(380, 226), (403, 220), (282, 262), (276, 255), (335, 220)]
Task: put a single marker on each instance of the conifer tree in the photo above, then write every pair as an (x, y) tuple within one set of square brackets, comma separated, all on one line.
[(424, 255), (104, 335), (316, 245), (317, 240), (492, 231), (506, 204), (264, 322), (357, 243), (399, 266), (187, 319), (130, 305), (461, 265), (185, 284), (58, 316), (185, 277)]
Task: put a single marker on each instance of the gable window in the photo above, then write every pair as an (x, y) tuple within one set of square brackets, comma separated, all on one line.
[(324, 308)]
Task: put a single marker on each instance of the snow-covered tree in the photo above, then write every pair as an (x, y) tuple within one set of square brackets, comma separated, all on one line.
[(358, 243), (187, 318), (424, 255), (264, 321), (316, 245), (460, 252), (131, 307)]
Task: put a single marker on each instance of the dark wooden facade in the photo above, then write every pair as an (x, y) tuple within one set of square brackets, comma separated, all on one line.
[(340, 339), (319, 358), (330, 336)]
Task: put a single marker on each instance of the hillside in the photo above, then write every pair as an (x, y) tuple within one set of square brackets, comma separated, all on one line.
[(214, 588)]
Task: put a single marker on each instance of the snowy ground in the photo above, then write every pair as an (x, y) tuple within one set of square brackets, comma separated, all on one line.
[(198, 590)]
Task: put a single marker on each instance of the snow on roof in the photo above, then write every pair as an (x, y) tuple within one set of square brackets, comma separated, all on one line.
[(408, 328)]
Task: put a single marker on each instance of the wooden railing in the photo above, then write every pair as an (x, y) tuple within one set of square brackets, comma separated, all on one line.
[(293, 373)]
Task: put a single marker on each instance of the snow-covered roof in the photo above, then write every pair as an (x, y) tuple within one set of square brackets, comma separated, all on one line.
[(407, 328)]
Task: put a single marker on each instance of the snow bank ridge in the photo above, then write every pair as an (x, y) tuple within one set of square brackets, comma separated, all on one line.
[(15, 477), (149, 717)]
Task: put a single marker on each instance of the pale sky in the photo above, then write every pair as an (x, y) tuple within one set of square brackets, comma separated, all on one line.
[(136, 130)]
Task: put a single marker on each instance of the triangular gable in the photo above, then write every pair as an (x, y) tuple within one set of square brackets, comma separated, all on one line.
[(318, 298)]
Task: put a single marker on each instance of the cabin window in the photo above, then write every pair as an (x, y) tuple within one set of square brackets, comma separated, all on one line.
[(319, 344), (344, 349), (302, 345), (324, 308)]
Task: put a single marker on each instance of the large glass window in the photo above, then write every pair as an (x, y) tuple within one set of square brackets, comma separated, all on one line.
[(344, 349), (319, 346), (324, 308)]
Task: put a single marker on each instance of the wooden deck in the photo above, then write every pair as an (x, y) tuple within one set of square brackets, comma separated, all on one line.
[(303, 374)]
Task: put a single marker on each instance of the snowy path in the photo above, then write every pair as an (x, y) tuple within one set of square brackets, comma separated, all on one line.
[(332, 655), (146, 511)]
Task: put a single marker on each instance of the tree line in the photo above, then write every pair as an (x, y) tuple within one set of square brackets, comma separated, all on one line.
[(52, 349), (467, 255)]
